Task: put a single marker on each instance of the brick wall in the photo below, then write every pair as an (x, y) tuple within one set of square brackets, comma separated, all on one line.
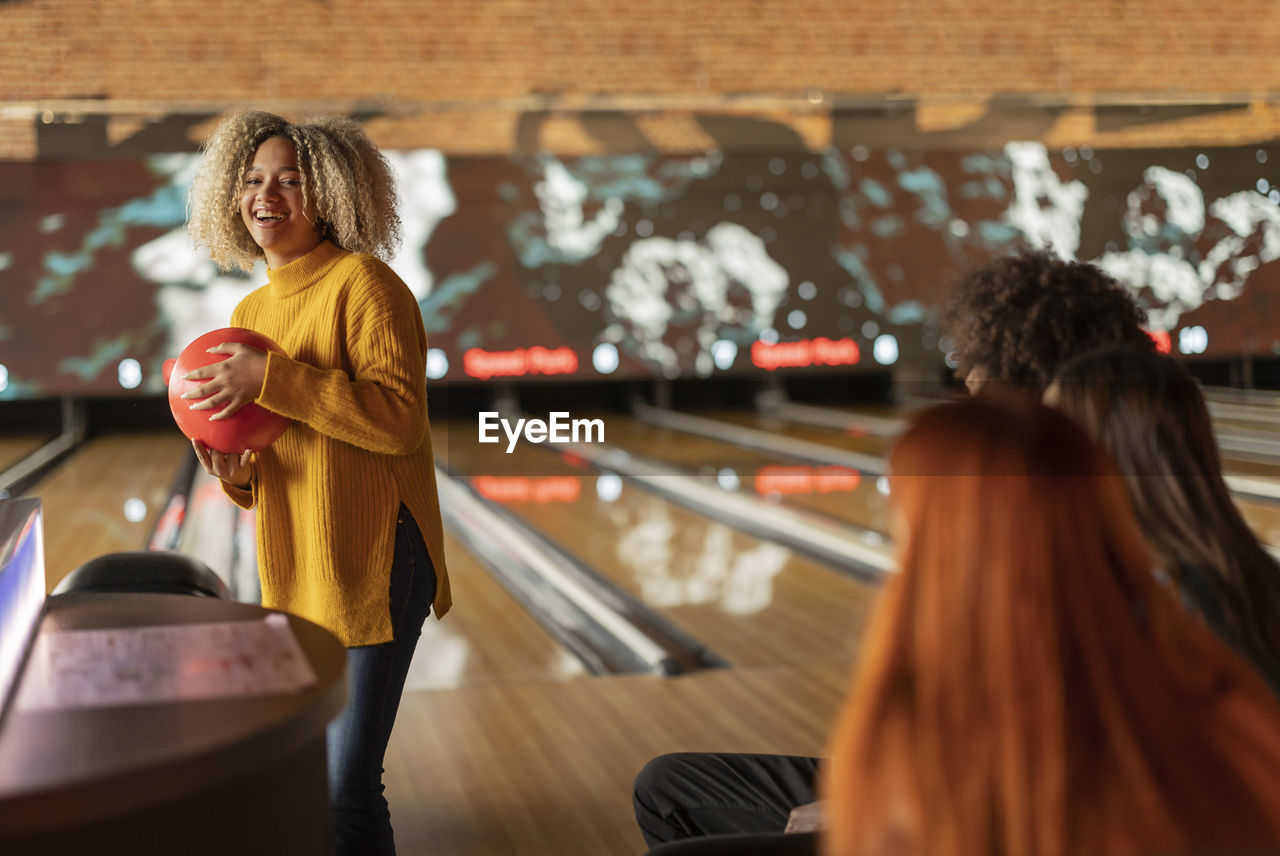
[(467, 75)]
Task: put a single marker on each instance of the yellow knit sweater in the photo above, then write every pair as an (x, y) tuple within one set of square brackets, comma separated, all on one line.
[(327, 492)]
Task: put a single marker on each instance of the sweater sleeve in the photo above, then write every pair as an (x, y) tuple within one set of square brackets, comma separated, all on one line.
[(240, 496), (381, 405)]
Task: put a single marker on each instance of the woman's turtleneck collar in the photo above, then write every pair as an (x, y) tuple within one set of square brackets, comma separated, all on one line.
[(305, 272)]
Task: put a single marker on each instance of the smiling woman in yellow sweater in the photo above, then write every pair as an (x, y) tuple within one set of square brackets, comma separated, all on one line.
[(349, 531)]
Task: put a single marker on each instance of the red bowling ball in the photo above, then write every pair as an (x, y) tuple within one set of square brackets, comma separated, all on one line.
[(250, 427)]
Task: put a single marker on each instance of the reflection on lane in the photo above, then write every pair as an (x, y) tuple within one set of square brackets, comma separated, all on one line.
[(676, 564), (753, 602), (837, 492), (863, 506), (488, 639)]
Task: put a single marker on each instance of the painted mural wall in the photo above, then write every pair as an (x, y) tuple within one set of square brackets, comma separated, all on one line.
[(632, 266)]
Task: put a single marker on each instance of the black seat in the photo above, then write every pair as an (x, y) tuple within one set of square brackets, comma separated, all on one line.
[(154, 571)]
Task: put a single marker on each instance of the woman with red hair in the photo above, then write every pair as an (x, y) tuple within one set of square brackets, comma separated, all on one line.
[(1026, 686)]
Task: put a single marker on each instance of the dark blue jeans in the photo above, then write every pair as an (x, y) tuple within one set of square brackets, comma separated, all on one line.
[(357, 739)]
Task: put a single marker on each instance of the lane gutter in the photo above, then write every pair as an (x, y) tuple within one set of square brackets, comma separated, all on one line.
[(607, 629)]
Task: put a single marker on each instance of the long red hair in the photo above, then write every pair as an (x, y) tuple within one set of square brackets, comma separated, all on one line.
[(1026, 687)]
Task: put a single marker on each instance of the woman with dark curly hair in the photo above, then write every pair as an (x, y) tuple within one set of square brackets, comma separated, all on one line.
[(1014, 321), (349, 530), (1018, 318)]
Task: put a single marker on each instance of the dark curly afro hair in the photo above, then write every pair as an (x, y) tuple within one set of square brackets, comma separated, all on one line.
[(1019, 318)]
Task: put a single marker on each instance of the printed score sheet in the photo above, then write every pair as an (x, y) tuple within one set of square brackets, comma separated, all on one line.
[(164, 663)]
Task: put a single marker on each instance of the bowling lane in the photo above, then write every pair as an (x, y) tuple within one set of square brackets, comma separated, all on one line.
[(15, 447), (836, 492), (487, 639), (826, 491), (106, 496), (1264, 519), (1265, 421), (1251, 440), (850, 440), (1237, 466), (753, 602), (1238, 396), (870, 443)]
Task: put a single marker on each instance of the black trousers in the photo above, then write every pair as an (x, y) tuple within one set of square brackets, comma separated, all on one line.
[(757, 844), (685, 801)]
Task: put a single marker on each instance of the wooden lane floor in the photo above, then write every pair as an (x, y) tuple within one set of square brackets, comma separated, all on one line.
[(527, 756), (1262, 398), (869, 443), (106, 496), (849, 440), (836, 492), (1264, 519), (752, 602), (1266, 422), (545, 769), (15, 447), (1237, 466), (864, 507), (488, 638)]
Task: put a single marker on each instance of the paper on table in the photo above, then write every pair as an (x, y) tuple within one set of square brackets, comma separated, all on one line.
[(163, 663)]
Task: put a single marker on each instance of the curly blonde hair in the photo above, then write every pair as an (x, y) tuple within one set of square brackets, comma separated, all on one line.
[(342, 170)]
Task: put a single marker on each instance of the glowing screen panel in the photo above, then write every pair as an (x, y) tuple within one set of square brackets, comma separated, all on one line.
[(635, 266)]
